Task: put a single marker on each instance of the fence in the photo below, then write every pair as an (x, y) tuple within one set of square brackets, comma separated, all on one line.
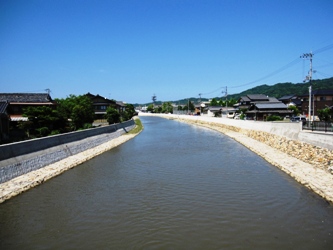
[(318, 126)]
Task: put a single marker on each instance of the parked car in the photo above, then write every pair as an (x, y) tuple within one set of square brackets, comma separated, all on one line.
[(298, 119)]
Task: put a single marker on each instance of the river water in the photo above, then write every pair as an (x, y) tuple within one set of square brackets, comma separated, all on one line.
[(174, 186)]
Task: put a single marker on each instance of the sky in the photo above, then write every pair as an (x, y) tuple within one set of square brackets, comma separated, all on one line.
[(130, 50)]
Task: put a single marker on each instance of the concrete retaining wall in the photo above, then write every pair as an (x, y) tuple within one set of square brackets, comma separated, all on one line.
[(20, 158)]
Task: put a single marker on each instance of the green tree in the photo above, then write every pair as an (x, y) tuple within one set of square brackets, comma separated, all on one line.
[(294, 109), (189, 107), (167, 107), (78, 110), (150, 108), (128, 113), (158, 109), (42, 121), (325, 114), (112, 115), (214, 102)]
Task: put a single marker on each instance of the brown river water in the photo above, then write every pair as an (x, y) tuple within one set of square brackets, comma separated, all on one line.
[(174, 186)]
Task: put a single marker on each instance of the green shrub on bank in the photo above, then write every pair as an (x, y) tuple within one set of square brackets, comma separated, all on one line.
[(138, 127), (274, 118)]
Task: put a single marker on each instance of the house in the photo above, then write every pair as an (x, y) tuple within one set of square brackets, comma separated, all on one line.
[(17, 102), (322, 98), (261, 110), (292, 100), (261, 106), (245, 102), (213, 111), (100, 105), (121, 106), (12, 107)]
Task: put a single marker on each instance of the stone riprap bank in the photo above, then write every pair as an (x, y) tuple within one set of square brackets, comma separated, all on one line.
[(20, 158), (310, 165)]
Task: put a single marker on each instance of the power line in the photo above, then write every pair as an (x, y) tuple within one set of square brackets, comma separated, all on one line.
[(295, 61), (208, 93), (323, 49), (271, 74)]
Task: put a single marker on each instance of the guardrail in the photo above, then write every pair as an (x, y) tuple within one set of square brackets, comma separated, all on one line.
[(318, 126)]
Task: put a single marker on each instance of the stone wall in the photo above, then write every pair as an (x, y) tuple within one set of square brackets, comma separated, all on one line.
[(38, 156)]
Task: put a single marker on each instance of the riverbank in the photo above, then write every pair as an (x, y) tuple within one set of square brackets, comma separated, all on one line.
[(23, 183), (313, 174)]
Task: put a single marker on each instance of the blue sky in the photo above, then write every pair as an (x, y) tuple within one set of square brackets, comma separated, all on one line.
[(129, 50)]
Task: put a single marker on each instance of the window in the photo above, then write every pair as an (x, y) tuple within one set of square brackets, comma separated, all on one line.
[(323, 98)]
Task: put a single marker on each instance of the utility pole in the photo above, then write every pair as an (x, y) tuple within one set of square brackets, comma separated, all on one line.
[(200, 103), (309, 78), (225, 92)]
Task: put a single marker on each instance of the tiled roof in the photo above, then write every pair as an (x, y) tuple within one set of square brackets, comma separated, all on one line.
[(3, 107), (25, 98), (257, 97), (120, 103), (286, 97), (245, 99), (214, 108), (281, 111), (321, 92), (271, 105), (273, 99)]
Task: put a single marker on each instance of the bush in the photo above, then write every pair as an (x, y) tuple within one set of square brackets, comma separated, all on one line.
[(55, 132), (43, 131), (273, 118)]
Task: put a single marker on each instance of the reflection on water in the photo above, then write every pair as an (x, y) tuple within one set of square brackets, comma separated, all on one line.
[(174, 186)]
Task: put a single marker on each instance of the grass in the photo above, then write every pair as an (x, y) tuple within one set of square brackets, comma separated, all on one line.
[(138, 128)]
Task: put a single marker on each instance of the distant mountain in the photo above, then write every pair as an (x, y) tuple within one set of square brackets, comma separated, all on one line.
[(278, 90), (281, 89)]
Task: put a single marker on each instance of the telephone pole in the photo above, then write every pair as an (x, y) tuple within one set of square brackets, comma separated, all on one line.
[(309, 78), (226, 99)]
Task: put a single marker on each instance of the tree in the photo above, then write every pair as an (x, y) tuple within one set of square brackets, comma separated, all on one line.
[(214, 102), (128, 113), (78, 110), (42, 121), (112, 115), (325, 114), (189, 107), (167, 107), (150, 108), (294, 109)]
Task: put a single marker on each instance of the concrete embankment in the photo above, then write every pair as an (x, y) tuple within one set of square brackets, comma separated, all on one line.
[(26, 171), (281, 145)]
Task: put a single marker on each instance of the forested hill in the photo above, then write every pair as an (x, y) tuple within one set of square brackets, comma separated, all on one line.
[(278, 90), (281, 89)]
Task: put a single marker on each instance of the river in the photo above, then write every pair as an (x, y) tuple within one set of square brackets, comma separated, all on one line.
[(174, 186)]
